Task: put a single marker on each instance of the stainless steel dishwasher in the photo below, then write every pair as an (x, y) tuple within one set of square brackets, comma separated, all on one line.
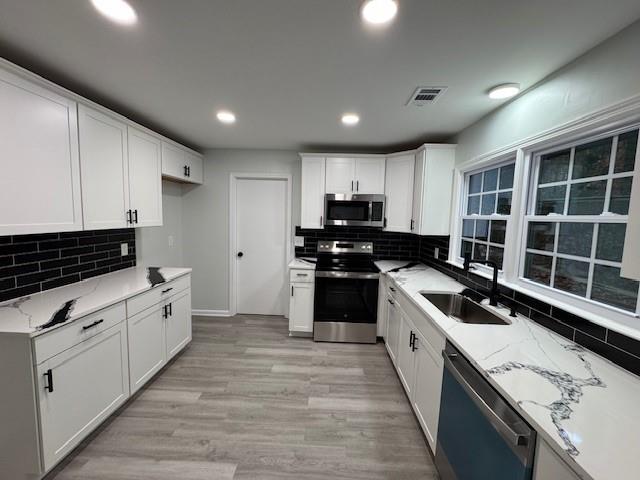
[(480, 437)]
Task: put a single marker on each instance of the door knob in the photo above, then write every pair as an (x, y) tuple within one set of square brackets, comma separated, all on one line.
[(240, 254)]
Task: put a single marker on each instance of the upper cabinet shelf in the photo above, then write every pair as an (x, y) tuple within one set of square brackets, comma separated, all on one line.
[(71, 165)]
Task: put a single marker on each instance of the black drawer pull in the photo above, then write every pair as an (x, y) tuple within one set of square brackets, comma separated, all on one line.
[(97, 322), (49, 376), (390, 301), (392, 289), (166, 291)]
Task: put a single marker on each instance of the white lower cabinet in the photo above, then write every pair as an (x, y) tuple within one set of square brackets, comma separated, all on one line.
[(393, 329), (405, 359), (382, 307), (147, 353), (79, 388), (301, 307), (178, 323), (427, 388), (549, 466)]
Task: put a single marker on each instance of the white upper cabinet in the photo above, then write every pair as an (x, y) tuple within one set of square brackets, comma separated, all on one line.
[(181, 165), (341, 175), (40, 180), (104, 167), (433, 185), (399, 191), (370, 175), (312, 192), (145, 178), (631, 256), (355, 175)]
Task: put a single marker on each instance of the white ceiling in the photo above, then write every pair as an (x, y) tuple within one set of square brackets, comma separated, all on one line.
[(290, 68)]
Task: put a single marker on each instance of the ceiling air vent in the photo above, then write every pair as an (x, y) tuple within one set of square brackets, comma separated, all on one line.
[(425, 95)]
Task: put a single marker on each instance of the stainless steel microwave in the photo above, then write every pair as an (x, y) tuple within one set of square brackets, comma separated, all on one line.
[(354, 209)]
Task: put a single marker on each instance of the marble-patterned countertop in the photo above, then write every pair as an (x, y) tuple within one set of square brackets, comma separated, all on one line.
[(42, 312), (302, 264), (585, 407)]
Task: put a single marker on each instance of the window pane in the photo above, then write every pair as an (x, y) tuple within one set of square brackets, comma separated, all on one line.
[(467, 228), (504, 203), (592, 159), (611, 241), (475, 183), (610, 288), (571, 276), (488, 204), (490, 180), (480, 251), (626, 153), (541, 236), (496, 254), (482, 230), (467, 247), (538, 268), (498, 231), (575, 239), (550, 200), (587, 198), (554, 167), (620, 195), (506, 176), (473, 205)]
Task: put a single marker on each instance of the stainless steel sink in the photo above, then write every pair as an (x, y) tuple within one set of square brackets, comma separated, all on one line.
[(462, 309)]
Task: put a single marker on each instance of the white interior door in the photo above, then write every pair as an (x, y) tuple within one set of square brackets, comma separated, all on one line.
[(261, 236)]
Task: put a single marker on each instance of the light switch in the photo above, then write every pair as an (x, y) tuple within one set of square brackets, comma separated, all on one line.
[(436, 252), (124, 249)]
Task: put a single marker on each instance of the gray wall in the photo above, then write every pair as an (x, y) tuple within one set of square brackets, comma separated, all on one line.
[(153, 243), (205, 218), (605, 75)]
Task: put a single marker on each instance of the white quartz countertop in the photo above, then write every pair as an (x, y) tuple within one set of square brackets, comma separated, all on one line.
[(302, 264), (585, 407), (42, 312)]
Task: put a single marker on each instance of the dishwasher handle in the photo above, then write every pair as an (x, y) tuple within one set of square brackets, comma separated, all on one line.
[(503, 428)]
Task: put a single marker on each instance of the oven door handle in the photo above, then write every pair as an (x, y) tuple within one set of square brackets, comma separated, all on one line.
[(505, 430), (350, 275)]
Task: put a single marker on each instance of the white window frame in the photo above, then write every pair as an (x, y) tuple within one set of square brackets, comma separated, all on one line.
[(606, 122)]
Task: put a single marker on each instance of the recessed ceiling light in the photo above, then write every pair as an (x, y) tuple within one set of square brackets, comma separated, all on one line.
[(226, 116), (379, 12), (350, 119), (506, 90), (117, 10)]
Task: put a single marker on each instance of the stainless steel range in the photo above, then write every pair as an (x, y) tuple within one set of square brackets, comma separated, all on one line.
[(346, 293)]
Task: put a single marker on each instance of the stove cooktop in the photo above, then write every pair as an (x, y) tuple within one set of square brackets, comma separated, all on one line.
[(342, 256)]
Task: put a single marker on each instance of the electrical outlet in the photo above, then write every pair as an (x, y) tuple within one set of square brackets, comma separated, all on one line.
[(171, 241), (124, 249), (299, 241), (436, 252)]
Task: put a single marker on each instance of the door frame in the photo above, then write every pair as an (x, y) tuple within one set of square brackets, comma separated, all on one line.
[(233, 241)]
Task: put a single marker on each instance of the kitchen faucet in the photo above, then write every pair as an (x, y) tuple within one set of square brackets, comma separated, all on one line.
[(495, 291)]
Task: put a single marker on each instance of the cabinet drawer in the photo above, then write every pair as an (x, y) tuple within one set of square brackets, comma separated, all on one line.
[(49, 344), (157, 294), (301, 276)]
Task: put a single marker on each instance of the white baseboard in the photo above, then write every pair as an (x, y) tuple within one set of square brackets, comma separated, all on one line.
[(211, 313)]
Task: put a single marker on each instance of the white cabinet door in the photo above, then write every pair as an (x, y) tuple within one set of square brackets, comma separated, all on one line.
[(382, 307), (631, 257), (145, 178), (548, 466), (40, 180), (370, 175), (147, 352), (79, 388), (405, 357), (340, 175), (195, 171), (399, 191), (418, 191), (312, 192), (104, 170), (301, 307), (427, 385), (174, 162), (178, 323), (393, 328)]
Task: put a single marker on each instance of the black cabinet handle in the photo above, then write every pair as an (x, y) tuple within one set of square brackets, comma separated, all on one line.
[(49, 385), (166, 291), (292, 290), (165, 311), (352, 185), (384, 225), (412, 222), (357, 185), (321, 218), (171, 309), (390, 301), (413, 342), (189, 171), (129, 218), (97, 322), (135, 216), (185, 171)]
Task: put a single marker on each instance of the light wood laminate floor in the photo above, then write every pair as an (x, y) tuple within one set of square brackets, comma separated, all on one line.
[(246, 401)]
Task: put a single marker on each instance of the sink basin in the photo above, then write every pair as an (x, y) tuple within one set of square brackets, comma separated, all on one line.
[(463, 310)]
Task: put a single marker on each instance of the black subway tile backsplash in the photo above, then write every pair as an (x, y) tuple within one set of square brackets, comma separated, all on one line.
[(34, 263)]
